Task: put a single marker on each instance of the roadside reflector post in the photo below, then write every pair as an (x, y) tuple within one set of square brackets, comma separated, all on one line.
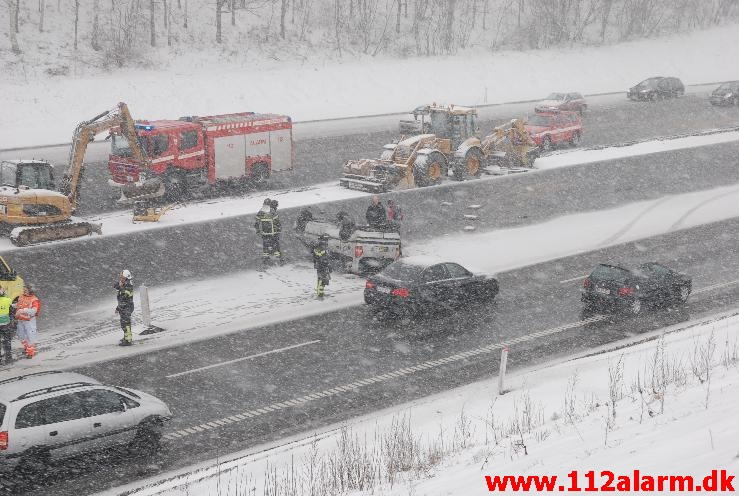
[(146, 312), (145, 308), (501, 371)]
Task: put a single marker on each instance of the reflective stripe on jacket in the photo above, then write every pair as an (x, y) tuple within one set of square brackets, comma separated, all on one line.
[(5, 304)]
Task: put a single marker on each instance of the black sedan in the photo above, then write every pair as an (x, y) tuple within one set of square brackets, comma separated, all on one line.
[(418, 285), (726, 94), (657, 88), (610, 286)]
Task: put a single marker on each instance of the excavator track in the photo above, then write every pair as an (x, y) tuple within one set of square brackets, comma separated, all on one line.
[(74, 228)]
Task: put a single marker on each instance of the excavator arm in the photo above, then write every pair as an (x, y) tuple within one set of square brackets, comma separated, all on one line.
[(85, 133)]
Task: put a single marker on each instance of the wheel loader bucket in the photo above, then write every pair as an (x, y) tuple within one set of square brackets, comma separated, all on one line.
[(374, 176)]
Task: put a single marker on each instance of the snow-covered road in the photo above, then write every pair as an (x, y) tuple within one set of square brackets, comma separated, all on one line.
[(252, 299)]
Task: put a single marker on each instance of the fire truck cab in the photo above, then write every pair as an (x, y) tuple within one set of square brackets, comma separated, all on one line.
[(195, 151)]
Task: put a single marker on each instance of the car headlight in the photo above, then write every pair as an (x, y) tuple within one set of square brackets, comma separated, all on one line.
[(728, 95), (644, 91)]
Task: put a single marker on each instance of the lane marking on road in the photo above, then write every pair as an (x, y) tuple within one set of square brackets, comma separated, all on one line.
[(360, 383), (578, 278), (250, 357), (430, 364), (716, 286)]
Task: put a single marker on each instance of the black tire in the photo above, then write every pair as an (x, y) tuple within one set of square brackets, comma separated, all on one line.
[(682, 293), (546, 144), (470, 166), (175, 186), (635, 307), (489, 292), (431, 171), (148, 439), (575, 140), (33, 462), (259, 174)]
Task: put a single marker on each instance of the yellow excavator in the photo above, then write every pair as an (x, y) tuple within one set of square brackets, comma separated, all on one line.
[(31, 210)]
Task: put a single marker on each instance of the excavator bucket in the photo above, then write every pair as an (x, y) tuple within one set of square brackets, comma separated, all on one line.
[(132, 192), (74, 228)]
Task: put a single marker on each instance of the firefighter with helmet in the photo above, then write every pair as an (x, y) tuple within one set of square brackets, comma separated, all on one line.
[(267, 225), (322, 265), (124, 287)]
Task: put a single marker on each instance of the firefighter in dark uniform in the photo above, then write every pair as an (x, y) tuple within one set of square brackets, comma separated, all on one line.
[(267, 225), (124, 286), (322, 265)]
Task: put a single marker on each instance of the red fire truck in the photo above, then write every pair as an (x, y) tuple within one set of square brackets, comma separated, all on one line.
[(195, 151)]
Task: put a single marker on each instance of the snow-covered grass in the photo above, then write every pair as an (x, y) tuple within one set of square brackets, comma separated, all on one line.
[(663, 403), (121, 222), (42, 111), (251, 299)]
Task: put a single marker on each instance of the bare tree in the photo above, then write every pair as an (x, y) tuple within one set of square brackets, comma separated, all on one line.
[(604, 15), (41, 12), (283, 12), (397, 18), (152, 25), (184, 23), (95, 36), (16, 24), (76, 21), (219, 8), (11, 24)]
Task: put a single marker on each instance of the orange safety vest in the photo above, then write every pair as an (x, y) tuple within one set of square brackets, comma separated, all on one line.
[(24, 301)]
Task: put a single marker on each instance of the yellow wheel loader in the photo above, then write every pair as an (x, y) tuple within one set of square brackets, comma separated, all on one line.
[(30, 207), (443, 138)]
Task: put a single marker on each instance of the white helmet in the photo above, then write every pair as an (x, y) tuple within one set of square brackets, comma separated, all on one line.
[(126, 274)]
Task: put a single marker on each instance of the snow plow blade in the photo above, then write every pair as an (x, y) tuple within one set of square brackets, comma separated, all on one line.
[(75, 228), (131, 192), (362, 183)]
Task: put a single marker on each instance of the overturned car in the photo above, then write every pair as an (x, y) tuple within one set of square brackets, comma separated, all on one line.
[(356, 248)]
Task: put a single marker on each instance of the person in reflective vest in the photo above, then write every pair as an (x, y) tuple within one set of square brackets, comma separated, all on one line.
[(322, 265), (26, 310), (124, 309), (267, 225), (6, 329)]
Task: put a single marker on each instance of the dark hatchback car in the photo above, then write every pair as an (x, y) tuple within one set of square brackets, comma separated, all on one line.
[(418, 285), (726, 94), (657, 88), (617, 288)]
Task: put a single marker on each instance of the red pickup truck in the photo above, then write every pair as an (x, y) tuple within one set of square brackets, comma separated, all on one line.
[(552, 128)]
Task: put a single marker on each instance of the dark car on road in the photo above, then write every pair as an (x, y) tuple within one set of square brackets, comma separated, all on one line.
[(618, 288), (726, 94), (419, 285), (657, 88), (562, 101)]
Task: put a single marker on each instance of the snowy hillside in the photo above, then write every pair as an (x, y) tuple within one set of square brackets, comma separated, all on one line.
[(324, 90), (662, 404), (84, 37)]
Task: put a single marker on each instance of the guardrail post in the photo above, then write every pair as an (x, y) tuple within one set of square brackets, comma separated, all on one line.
[(145, 308), (146, 312), (501, 370)]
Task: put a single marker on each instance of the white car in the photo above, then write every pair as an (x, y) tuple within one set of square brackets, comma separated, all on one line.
[(56, 415)]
